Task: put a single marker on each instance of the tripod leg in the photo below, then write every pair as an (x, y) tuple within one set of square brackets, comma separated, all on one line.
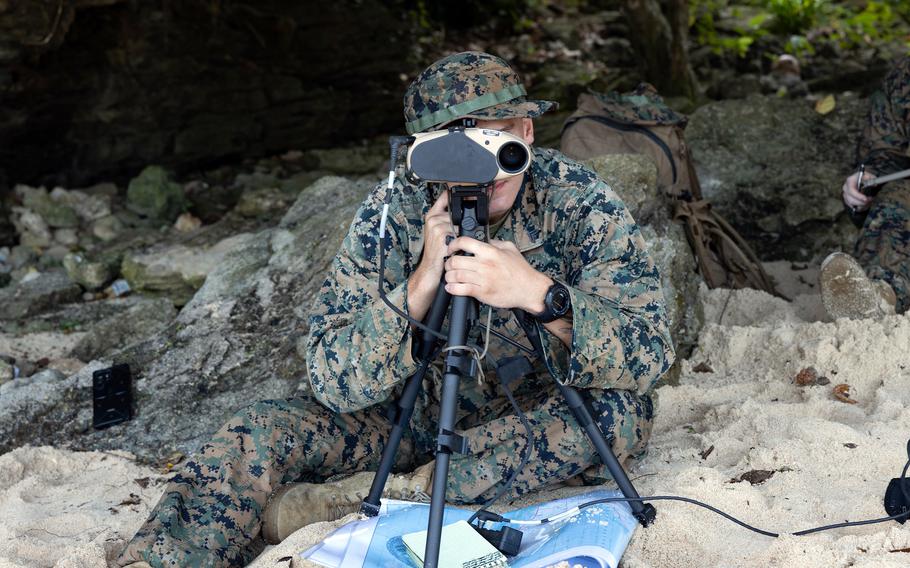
[(404, 408), (448, 441), (401, 416), (644, 512)]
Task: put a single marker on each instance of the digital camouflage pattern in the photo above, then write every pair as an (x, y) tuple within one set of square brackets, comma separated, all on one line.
[(471, 84), (570, 225), (883, 247)]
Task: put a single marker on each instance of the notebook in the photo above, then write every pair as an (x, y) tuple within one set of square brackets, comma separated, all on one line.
[(461, 547)]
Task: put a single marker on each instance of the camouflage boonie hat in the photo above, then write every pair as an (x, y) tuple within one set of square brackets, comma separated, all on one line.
[(471, 84)]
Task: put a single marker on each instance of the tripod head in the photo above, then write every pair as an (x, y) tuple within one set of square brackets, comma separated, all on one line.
[(469, 206)]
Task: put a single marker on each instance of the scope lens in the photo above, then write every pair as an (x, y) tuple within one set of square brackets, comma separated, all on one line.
[(512, 157)]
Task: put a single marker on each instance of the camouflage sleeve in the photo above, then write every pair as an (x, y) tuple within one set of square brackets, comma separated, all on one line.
[(884, 144), (620, 332), (359, 349)]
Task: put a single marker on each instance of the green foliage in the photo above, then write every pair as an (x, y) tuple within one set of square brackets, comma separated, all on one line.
[(703, 18), (877, 22), (794, 16), (800, 26)]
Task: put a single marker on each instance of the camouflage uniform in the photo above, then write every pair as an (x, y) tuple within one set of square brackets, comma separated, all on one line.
[(569, 225), (883, 247)]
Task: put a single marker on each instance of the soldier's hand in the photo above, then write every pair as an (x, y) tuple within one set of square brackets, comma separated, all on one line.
[(423, 282), (851, 194), (497, 275)]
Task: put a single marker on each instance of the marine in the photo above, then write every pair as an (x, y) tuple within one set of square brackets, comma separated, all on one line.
[(280, 464), (875, 280)]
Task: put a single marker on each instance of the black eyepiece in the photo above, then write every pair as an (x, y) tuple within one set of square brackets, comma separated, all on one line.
[(512, 157)]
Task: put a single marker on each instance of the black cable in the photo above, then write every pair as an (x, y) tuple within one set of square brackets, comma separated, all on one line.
[(394, 143), (904, 486), (538, 345), (525, 458)]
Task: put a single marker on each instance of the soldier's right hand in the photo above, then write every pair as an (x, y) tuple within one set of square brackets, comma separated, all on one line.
[(851, 194), (437, 227)]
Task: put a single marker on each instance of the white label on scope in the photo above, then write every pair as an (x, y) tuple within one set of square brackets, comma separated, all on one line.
[(491, 132)]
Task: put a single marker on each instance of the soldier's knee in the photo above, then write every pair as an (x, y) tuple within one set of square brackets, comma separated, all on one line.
[(259, 412)]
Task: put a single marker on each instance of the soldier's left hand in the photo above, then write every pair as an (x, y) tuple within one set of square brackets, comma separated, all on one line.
[(497, 275)]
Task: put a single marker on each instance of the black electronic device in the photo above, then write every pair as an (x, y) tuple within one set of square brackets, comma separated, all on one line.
[(112, 396), (896, 501)]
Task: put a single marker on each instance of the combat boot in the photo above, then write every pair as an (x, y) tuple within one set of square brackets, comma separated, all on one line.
[(295, 505), (847, 292)]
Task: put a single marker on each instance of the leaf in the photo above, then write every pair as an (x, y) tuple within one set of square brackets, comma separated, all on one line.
[(806, 377), (755, 477), (825, 105), (842, 393)]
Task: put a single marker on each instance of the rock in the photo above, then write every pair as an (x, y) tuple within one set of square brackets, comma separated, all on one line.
[(186, 223), (153, 194), (7, 373), (66, 237), (21, 256), (32, 228), (55, 213), (104, 189), (74, 319), (66, 366), (38, 294), (632, 176), (211, 202), (350, 161), (143, 319), (53, 257), (92, 275), (781, 192), (175, 271), (107, 228), (87, 207), (235, 342), (263, 202), (5, 279)]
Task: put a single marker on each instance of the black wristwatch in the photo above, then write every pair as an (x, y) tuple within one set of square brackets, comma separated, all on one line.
[(556, 304)]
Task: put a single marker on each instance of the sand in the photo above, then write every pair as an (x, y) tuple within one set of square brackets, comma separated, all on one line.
[(737, 409)]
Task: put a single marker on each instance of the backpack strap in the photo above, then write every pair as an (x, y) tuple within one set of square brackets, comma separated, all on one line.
[(724, 258)]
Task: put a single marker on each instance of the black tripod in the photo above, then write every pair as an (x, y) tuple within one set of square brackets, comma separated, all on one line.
[(470, 217)]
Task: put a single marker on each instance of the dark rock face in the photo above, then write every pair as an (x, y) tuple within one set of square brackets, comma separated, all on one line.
[(97, 89), (774, 168)]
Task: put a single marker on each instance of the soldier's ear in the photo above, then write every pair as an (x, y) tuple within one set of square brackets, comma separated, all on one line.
[(527, 130)]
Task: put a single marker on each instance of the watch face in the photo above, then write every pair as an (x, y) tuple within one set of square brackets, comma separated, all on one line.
[(560, 300)]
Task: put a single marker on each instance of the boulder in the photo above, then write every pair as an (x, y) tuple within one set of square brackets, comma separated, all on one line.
[(153, 195), (33, 230), (234, 343), (33, 295), (773, 167), (107, 229), (7, 373), (56, 213), (90, 274), (175, 271), (263, 202), (142, 318)]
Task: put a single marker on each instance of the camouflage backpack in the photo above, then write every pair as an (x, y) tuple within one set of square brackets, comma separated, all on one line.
[(641, 123)]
